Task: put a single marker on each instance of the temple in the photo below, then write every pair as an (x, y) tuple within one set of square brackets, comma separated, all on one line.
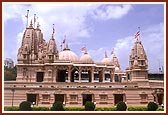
[(46, 75)]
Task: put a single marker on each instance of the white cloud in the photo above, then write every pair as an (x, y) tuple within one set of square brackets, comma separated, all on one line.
[(111, 12)]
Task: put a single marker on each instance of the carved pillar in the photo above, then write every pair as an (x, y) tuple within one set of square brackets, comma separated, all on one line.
[(103, 76), (69, 74), (80, 74), (92, 74), (113, 74), (56, 75)]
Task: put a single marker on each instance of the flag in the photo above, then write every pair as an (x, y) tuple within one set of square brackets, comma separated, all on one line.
[(41, 45), (137, 34), (63, 41), (83, 49), (27, 14), (34, 17)]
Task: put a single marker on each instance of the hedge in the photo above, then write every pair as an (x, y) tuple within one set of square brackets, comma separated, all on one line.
[(130, 108), (40, 109), (74, 108), (10, 108), (137, 108), (105, 109)]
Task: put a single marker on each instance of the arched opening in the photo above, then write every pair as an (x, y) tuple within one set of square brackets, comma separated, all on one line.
[(39, 76), (86, 76), (107, 76), (74, 75), (116, 78)]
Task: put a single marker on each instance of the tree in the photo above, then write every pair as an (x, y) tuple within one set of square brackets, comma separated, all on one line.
[(89, 106), (152, 106), (25, 106), (57, 106)]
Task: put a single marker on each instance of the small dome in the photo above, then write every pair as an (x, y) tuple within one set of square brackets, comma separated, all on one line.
[(106, 60), (67, 55), (86, 58)]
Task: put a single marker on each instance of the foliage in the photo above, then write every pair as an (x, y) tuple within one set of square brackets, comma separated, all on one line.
[(105, 109), (89, 106), (10, 73), (40, 109), (160, 109), (152, 106), (74, 109), (121, 106), (25, 106), (57, 106), (10, 108), (137, 108)]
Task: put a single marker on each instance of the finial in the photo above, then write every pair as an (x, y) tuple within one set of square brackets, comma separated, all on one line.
[(106, 55), (31, 25)]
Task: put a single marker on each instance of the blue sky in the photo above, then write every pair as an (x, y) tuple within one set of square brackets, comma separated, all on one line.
[(101, 27)]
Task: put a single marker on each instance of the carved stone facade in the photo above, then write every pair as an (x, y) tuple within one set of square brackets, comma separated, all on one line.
[(46, 75)]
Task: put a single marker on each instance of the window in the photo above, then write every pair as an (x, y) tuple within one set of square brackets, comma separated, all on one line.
[(46, 97), (103, 97), (144, 98), (73, 97)]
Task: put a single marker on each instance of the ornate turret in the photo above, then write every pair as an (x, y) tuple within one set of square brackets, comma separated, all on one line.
[(138, 63), (26, 53), (52, 52)]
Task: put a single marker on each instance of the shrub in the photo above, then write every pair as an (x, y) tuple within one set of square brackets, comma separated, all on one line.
[(40, 109), (152, 106), (89, 106), (9, 108), (74, 109), (121, 106), (57, 106), (137, 108), (25, 106)]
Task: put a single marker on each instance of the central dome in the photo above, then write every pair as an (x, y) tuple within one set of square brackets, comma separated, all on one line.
[(67, 55), (86, 58)]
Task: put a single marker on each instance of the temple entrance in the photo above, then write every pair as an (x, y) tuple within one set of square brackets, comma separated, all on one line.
[(62, 75), (39, 76), (160, 98), (32, 98), (59, 97), (86, 97), (118, 98)]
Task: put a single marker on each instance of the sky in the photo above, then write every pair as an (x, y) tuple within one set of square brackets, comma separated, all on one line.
[(100, 27)]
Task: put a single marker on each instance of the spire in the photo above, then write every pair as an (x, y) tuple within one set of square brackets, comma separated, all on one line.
[(67, 47), (53, 29), (53, 32)]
